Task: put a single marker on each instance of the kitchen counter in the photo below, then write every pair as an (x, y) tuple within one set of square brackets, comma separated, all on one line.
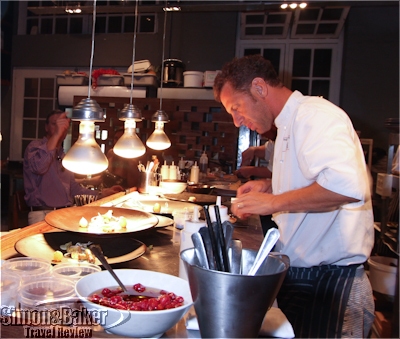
[(162, 255)]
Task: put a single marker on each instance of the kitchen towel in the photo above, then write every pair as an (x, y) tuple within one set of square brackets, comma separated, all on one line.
[(275, 324)]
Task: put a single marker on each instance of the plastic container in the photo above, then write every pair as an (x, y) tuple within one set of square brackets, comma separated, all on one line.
[(209, 77), (72, 79), (74, 272), (47, 293), (382, 274), (149, 80), (193, 79), (180, 217), (173, 172), (28, 268), (10, 283), (203, 162), (223, 211), (110, 80), (194, 173)]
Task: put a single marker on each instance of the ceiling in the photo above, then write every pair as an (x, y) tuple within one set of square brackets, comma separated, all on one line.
[(128, 6)]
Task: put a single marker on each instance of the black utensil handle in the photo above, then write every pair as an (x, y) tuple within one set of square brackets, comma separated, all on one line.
[(213, 239), (221, 240)]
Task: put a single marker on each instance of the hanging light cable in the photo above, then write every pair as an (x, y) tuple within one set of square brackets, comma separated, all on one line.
[(158, 140), (85, 156), (130, 145)]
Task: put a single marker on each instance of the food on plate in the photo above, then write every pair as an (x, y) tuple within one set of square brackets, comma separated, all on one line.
[(192, 199), (58, 256), (108, 222), (83, 222), (157, 208), (79, 251), (152, 299)]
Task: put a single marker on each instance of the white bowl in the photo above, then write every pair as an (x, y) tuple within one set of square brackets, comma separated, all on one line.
[(173, 187), (141, 324)]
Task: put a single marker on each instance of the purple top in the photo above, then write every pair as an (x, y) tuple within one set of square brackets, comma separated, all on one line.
[(46, 181)]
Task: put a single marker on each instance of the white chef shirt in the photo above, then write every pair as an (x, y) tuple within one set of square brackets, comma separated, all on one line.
[(316, 142), (269, 153)]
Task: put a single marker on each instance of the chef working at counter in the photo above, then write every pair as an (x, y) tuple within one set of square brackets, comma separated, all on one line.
[(319, 196), (48, 185)]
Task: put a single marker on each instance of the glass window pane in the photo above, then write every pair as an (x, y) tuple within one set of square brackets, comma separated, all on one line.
[(147, 23), (29, 129), (331, 14), (129, 24), (273, 55), (30, 108), (305, 29), (46, 88), (320, 88), (276, 18), (309, 14), (61, 26), (254, 31), (327, 28), (252, 51), (254, 19), (31, 87), (46, 26), (114, 24), (322, 62), (275, 30), (300, 85), (301, 62), (76, 25), (32, 26), (101, 24), (45, 107)]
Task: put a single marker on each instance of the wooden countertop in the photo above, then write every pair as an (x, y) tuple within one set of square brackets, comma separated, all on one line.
[(162, 255)]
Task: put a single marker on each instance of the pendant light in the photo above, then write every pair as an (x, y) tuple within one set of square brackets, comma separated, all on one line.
[(130, 145), (159, 140), (85, 156)]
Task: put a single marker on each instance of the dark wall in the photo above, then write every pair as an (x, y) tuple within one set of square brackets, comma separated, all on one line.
[(198, 39), (205, 41), (370, 79)]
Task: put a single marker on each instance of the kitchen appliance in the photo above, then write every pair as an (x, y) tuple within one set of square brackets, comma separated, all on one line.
[(173, 73)]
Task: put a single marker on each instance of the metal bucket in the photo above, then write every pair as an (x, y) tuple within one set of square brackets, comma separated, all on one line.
[(234, 305), (148, 180)]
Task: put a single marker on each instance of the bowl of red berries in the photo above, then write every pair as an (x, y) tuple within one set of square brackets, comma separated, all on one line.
[(153, 303)]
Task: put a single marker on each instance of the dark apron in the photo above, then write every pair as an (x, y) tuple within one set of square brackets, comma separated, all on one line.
[(314, 299)]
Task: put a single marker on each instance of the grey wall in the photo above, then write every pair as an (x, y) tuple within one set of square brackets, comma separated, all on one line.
[(205, 41)]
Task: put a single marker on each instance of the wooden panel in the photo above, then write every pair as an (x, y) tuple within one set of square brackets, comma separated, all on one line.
[(194, 125)]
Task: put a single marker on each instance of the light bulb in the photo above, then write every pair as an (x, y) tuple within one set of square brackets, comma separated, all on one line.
[(293, 5), (85, 156), (303, 5), (129, 145), (158, 140), (284, 6)]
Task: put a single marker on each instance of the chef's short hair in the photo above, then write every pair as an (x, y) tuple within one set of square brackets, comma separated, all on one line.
[(56, 111)]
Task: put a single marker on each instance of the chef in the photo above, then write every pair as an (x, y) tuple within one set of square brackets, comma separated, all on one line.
[(319, 196), (48, 185)]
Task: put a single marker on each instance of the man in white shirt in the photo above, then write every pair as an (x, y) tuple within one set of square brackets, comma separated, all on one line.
[(319, 197)]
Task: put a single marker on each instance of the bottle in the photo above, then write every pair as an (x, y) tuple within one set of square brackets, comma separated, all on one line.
[(194, 173), (173, 171), (191, 226), (203, 162), (165, 171)]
